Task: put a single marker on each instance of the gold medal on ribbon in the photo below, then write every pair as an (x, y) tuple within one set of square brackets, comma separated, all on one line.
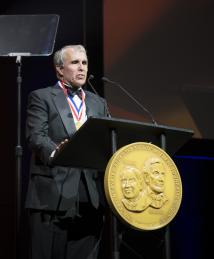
[(143, 186), (78, 124)]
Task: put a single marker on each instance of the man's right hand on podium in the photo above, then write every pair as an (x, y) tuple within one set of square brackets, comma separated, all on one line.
[(58, 147)]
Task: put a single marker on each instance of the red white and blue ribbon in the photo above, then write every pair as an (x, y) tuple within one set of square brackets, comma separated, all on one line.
[(77, 106)]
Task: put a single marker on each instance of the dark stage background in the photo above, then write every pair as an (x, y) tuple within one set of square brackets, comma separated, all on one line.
[(162, 52)]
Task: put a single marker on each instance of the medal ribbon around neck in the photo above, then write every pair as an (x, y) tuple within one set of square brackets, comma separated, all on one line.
[(76, 111)]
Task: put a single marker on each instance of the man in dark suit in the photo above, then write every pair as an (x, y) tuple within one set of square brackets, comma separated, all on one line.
[(64, 204)]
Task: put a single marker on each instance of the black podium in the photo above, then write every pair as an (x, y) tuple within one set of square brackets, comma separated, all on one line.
[(95, 142)]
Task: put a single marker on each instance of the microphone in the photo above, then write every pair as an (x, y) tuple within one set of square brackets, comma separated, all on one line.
[(106, 80), (91, 77)]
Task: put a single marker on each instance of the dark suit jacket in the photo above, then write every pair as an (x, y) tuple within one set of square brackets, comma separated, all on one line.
[(49, 121)]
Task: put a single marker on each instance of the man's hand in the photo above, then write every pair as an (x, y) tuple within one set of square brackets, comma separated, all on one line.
[(61, 144), (58, 148)]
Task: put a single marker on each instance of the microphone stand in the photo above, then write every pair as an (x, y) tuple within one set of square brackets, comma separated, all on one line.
[(105, 79), (18, 148), (89, 82)]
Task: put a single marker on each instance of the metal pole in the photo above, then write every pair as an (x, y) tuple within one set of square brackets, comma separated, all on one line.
[(167, 232), (115, 240), (18, 154)]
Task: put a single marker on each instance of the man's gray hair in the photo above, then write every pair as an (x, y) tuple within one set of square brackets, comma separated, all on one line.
[(59, 55)]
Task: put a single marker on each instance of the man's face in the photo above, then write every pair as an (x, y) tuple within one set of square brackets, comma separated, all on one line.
[(130, 185), (75, 67), (157, 178)]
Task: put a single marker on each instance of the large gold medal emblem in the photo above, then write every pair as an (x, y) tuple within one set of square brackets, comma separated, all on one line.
[(143, 186)]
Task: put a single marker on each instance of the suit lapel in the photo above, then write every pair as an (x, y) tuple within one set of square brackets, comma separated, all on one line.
[(63, 109)]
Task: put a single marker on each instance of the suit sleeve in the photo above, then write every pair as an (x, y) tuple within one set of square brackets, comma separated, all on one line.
[(37, 127)]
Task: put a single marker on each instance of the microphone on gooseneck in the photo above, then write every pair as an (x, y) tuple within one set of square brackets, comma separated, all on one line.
[(106, 80), (89, 82), (91, 77)]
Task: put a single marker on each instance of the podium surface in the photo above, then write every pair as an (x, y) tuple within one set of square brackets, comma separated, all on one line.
[(90, 146)]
